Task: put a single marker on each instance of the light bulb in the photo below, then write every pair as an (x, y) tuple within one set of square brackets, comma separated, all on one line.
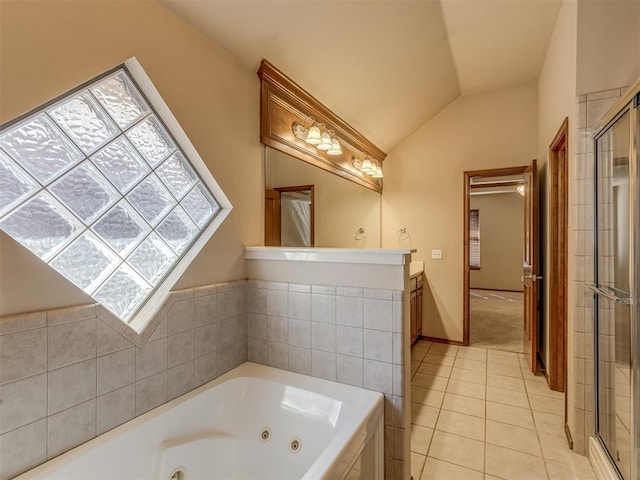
[(335, 147), (313, 136), (325, 143), (367, 166)]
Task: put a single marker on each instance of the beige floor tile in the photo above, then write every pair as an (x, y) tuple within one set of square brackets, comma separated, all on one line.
[(549, 423), (529, 376), (554, 406), (512, 465), (424, 415), (501, 381), (555, 448), (435, 469), (417, 355), (500, 412), (562, 471), (536, 387), (502, 358), (427, 396), (462, 404), (468, 364), (421, 439), (521, 439), (458, 450), (436, 370), (472, 353), (444, 349), (467, 389), (421, 346), (461, 424), (417, 462), (439, 359), (472, 376), (429, 381), (506, 370), (508, 397)]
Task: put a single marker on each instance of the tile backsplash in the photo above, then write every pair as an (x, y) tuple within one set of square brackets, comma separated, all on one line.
[(70, 374), (345, 334)]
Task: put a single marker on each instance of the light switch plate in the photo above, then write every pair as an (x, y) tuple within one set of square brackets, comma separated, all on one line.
[(436, 254)]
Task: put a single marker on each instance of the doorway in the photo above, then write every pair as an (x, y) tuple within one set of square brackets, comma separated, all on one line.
[(289, 216), (500, 259)]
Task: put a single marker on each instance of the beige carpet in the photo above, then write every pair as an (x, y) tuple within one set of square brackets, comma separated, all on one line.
[(496, 320)]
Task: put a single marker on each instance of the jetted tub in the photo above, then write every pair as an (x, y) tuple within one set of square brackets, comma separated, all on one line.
[(253, 422)]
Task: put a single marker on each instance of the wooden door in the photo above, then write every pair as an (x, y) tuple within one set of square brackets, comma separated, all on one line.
[(530, 277), (272, 218)]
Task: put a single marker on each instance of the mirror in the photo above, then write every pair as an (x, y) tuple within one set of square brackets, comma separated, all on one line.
[(308, 206)]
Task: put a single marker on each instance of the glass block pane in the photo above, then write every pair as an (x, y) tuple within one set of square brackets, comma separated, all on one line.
[(120, 99), (15, 184), (151, 199), (177, 230), (85, 191), (122, 228), (86, 262), (40, 147), (200, 205), (42, 225), (177, 174), (123, 292), (152, 140), (152, 259), (84, 121), (121, 163)]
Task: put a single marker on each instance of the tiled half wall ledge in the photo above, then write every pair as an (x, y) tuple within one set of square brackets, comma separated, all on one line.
[(68, 375)]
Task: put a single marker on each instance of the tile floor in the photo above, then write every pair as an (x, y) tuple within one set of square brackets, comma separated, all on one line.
[(481, 414)]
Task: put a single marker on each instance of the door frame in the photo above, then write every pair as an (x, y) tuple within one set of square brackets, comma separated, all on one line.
[(494, 172), (558, 255)]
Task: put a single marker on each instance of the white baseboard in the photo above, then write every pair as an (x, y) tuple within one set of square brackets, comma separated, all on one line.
[(600, 461)]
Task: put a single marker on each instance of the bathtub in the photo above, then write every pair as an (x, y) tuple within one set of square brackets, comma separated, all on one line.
[(253, 422)]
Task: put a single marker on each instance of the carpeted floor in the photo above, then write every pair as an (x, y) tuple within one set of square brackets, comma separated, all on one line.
[(496, 320)]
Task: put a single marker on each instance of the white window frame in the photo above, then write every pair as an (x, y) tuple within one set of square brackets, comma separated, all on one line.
[(157, 297)]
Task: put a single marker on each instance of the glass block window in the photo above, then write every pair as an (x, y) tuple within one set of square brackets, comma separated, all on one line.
[(104, 186)]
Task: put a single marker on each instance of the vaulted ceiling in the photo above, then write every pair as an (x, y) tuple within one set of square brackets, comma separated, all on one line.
[(385, 66)]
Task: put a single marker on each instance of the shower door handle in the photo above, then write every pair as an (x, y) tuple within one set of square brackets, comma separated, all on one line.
[(610, 296)]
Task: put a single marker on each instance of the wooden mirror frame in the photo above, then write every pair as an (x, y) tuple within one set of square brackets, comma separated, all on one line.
[(283, 102)]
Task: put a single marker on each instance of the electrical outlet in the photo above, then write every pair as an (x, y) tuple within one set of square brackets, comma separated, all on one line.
[(436, 254)]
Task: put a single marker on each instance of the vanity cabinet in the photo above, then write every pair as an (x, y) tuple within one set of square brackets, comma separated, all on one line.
[(415, 283)]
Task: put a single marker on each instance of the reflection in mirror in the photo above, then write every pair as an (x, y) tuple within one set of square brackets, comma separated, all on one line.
[(336, 208), (289, 216)]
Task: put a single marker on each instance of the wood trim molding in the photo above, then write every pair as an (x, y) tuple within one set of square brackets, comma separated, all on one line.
[(558, 256), (441, 340), (283, 102)]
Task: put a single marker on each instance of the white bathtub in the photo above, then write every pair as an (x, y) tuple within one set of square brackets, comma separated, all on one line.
[(253, 422)]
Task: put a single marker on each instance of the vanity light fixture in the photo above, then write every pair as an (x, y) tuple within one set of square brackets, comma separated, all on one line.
[(368, 166), (520, 189), (318, 135)]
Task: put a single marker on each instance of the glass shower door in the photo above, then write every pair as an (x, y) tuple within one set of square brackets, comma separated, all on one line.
[(613, 284)]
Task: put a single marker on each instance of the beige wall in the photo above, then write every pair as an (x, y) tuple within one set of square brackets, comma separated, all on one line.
[(423, 188), (608, 44), (50, 47), (501, 241), (341, 207), (556, 101)]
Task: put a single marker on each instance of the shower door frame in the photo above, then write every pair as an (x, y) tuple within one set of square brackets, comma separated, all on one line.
[(628, 103)]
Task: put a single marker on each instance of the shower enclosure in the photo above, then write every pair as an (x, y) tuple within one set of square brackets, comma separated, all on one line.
[(616, 286)]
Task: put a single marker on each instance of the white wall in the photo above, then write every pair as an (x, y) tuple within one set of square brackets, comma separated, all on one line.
[(556, 101), (423, 187), (501, 241), (50, 47)]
